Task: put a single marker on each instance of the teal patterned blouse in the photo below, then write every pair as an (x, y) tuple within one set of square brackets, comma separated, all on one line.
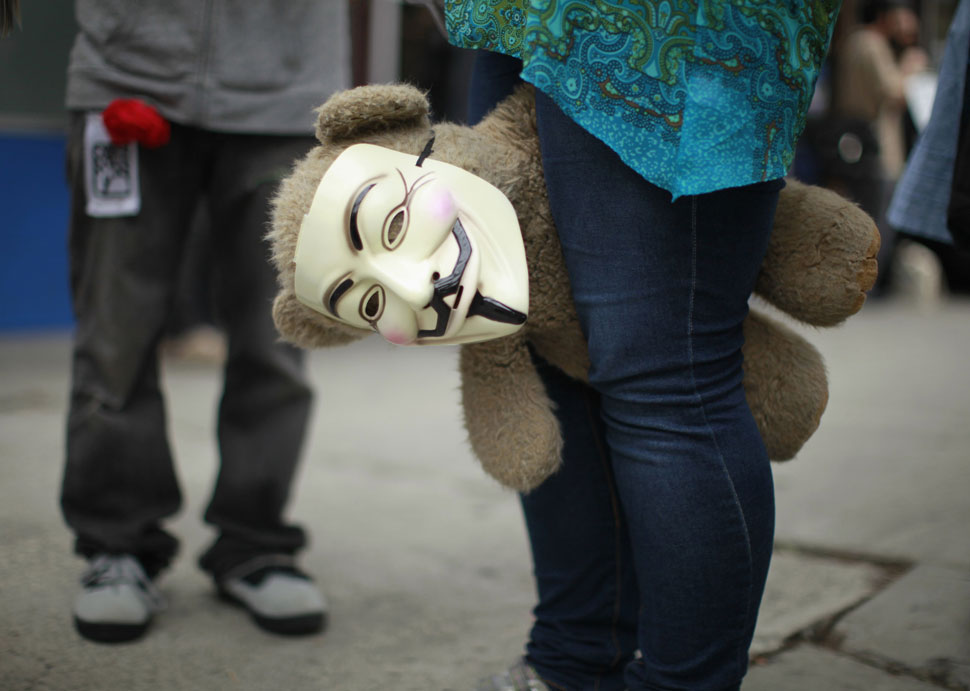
[(695, 95)]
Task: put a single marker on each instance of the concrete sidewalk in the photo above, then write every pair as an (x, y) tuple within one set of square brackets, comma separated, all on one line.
[(425, 559)]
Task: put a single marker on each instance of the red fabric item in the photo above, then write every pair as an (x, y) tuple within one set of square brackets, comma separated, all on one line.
[(130, 120)]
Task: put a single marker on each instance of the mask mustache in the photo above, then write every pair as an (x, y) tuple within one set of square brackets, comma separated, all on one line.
[(449, 285)]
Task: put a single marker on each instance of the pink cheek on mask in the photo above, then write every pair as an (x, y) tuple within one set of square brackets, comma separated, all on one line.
[(441, 206), (396, 337)]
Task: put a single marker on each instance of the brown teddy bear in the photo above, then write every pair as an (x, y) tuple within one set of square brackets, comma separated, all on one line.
[(819, 265)]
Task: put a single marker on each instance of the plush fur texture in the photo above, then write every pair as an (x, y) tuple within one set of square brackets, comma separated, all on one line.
[(820, 263)]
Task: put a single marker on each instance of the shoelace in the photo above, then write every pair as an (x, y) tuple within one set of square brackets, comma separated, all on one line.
[(110, 569)]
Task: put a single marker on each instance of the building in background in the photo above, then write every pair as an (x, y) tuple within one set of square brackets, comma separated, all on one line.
[(33, 190)]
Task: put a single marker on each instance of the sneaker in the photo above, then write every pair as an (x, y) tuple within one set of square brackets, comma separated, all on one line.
[(279, 597), (117, 600), (917, 275), (519, 677)]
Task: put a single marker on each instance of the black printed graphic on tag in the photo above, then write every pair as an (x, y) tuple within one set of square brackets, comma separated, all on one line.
[(110, 173)]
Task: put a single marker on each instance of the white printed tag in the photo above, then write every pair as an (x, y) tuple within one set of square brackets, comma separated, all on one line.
[(110, 173)]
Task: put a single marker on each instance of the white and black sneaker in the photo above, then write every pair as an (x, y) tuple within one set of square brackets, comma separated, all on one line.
[(519, 677), (279, 597), (117, 600)]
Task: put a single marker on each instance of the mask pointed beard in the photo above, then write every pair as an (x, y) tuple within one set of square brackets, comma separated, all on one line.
[(493, 309)]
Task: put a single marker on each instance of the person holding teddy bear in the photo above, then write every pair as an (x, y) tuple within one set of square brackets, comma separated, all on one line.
[(431, 233), (440, 233), (665, 131)]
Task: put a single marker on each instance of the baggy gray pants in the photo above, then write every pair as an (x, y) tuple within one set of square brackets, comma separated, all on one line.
[(119, 481)]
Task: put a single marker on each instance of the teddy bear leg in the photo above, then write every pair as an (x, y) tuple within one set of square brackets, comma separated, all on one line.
[(785, 384), (508, 415)]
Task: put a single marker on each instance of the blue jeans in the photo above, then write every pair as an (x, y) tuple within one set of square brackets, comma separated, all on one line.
[(657, 533)]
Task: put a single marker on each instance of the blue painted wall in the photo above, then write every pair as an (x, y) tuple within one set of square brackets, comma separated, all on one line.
[(33, 233)]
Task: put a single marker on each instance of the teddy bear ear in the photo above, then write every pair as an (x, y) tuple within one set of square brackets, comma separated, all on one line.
[(371, 108)]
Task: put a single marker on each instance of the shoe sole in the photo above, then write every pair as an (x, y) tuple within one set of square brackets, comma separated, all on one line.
[(303, 625), (110, 633)]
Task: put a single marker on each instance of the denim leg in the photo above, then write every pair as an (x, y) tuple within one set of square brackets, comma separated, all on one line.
[(586, 618), (266, 399), (494, 76), (119, 481), (661, 290)]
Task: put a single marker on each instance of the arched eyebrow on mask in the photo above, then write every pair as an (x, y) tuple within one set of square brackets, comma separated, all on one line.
[(336, 291), (353, 232), (355, 241)]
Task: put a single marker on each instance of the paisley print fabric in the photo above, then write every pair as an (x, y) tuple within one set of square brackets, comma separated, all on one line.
[(695, 95)]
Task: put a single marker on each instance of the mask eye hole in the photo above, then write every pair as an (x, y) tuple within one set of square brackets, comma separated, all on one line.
[(395, 228), (372, 305)]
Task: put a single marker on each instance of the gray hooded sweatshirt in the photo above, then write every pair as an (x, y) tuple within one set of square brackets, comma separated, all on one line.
[(253, 66)]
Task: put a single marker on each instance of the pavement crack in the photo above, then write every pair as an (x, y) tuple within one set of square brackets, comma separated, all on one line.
[(893, 567), (939, 673)]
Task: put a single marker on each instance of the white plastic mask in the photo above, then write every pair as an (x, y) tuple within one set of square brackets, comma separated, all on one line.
[(429, 254)]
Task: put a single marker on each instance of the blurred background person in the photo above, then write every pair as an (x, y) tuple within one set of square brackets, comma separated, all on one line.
[(930, 202), (235, 85), (874, 65)]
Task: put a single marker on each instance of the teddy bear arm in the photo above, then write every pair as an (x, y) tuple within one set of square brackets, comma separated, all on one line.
[(785, 384), (508, 415), (564, 348), (821, 257)]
